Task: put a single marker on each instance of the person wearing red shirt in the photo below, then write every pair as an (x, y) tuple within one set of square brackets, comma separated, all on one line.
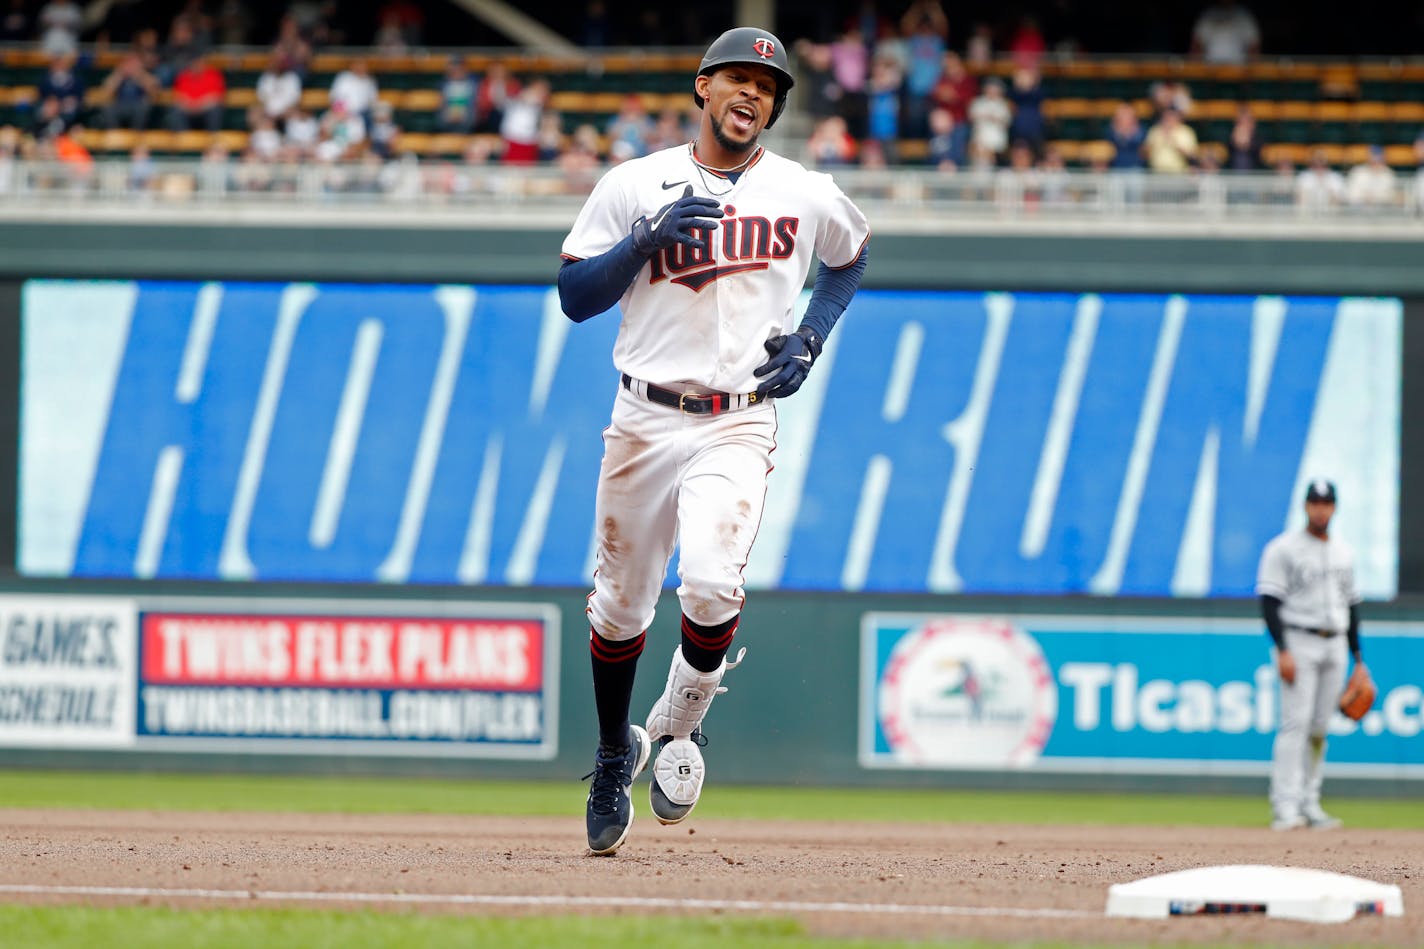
[(198, 92)]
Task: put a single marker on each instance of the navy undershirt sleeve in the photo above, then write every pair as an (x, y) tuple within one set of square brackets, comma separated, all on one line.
[(588, 287), (1271, 613), (831, 294), (1353, 633)]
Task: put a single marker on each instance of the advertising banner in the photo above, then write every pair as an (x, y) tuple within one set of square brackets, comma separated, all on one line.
[(1030, 443), (1111, 694), (67, 672), (377, 679)]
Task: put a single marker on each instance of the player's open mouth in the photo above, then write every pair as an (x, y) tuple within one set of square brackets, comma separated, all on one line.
[(743, 117)]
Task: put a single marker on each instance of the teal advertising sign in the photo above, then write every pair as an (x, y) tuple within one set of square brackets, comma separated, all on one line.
[(1111, 694)]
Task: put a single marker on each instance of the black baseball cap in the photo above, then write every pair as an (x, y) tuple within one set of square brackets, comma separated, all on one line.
[(1320, 490)]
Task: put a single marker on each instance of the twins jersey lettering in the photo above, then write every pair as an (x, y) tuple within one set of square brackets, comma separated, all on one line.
[(700, 317)]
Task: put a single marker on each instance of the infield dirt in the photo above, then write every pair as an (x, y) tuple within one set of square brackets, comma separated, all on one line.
[(1023, 869)]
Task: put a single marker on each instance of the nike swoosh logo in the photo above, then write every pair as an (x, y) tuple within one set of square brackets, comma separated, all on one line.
[(804, 358), (667, 185)]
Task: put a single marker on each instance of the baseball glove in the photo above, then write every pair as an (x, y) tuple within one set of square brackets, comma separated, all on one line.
[(1359, 694)]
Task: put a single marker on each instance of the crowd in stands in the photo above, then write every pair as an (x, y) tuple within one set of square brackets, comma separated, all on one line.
[(881, 92)]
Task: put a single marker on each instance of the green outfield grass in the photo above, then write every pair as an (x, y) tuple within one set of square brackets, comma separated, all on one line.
[(74, 927), (359, 795)]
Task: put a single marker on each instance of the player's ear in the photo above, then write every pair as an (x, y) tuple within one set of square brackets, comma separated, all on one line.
[(700, 85)]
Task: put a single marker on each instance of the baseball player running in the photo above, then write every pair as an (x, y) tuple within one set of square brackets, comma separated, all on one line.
[(1306, 582), (705, 247)]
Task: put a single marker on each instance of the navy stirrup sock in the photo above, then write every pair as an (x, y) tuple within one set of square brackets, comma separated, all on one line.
[(614, 664), (704, 647)]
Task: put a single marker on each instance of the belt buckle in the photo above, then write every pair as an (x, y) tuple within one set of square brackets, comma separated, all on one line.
[(711, 404)]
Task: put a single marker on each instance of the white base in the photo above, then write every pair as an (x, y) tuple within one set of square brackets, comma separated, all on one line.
[(1316, 896)]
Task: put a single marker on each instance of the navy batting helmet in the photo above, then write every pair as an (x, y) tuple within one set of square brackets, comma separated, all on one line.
[(747, 44)]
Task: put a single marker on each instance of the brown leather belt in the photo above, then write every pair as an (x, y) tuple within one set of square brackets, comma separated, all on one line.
[(693, 403)]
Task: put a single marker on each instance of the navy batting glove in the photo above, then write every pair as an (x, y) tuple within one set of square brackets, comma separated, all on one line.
[(791, 360), (675, 223)]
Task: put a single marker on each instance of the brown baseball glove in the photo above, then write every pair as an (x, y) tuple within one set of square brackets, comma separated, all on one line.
[(1359, 693)]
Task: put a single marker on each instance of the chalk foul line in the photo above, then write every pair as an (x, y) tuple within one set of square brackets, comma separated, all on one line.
[(545, 902)]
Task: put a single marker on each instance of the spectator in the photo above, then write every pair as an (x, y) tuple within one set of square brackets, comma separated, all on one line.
[(1319, 186), (883, 104), (279, 89), (520, 127), (457, 98), (233, 23), (407, 17), (954, 91), (496, 91), (1053, 177), (1226, 33), (60, 22), (946, 148), (1170, 94), (926, 28), (631, 125), (668, 131), (1027, 45), (979, 51), (265, 141), (143, 174), (1372, 183), (831, 143), (354, 89), (7, 159), (292, 45), (580, 161), (198, 92), (822, 96), (49, 121), (1243, 146), (302, 133), (1419, 174), (342, 134), (390, 38), (850, 65), (1171, 145), (384, 131), (1027, 98), (551, 136), (990, 116), (61, 82), (15, 23), (214, 170), (130, 90), (199, 23), (182, 47), (1127, 138)]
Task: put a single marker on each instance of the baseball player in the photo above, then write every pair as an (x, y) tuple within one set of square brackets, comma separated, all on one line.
[(1306, 582), (706, 247)]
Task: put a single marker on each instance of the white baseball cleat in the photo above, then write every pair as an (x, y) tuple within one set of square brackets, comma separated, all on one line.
[(1288, 822), (1319, 820), (677, 779)]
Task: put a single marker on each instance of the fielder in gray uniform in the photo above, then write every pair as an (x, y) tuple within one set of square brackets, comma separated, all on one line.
[(1306, 583)]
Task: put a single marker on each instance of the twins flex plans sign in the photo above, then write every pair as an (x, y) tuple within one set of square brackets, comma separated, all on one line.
[(350, 682), (1048, 443), (1112, 694)]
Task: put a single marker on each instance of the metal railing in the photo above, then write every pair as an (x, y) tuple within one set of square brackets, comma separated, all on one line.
[(911, 198)]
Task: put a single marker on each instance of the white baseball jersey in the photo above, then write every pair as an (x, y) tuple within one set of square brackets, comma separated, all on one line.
[(698, 318), (1314, 579)]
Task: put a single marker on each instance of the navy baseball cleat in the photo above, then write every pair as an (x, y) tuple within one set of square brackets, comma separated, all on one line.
[(610, 808)]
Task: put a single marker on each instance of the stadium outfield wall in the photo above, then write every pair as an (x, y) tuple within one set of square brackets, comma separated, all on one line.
[(180, 598)]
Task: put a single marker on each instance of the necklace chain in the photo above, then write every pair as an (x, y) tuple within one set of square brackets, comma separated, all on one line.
[(738, 167)]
